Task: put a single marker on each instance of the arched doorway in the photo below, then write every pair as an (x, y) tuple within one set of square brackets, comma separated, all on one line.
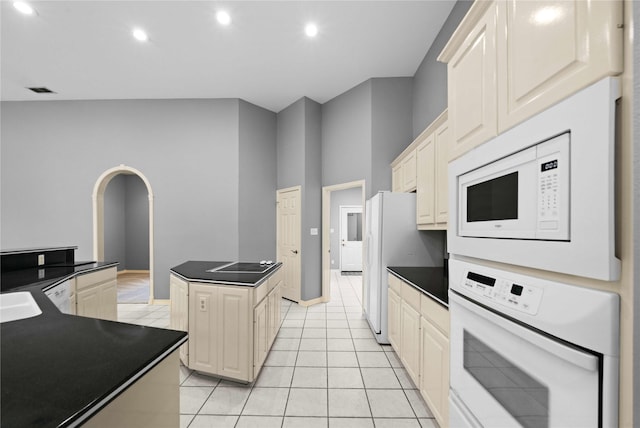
[(98, 216)]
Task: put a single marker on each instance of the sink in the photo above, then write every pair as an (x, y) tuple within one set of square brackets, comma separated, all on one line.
[(17, 306)]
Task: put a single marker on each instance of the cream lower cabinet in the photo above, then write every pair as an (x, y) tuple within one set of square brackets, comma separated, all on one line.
[(96, 294), (231, 328), (179, 310), (419, 333)]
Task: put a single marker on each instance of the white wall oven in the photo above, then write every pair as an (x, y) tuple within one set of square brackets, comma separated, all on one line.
[(530, 352), (542, 194)]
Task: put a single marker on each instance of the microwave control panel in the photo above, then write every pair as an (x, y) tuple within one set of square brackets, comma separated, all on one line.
[(548, 182), (521, 297)]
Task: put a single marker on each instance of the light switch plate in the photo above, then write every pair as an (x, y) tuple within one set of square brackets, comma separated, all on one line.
[(314, 230)]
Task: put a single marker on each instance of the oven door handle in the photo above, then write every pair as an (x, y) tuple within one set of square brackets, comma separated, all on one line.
[(565, 352)]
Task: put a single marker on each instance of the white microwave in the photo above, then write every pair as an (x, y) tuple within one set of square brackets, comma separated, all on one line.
[(522, 196), (542, 194)]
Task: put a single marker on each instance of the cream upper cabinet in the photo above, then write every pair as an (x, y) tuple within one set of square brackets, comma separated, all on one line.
[(403, 171), (511, 59), (432, 156), (471, 86), (548, 50)]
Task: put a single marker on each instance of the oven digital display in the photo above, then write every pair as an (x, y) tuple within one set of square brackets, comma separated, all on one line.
[(481, 279), (495, 199)]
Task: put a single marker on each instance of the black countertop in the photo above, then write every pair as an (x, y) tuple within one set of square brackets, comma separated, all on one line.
[(196, 271), (428, 280), (36, 250), (57, 370)]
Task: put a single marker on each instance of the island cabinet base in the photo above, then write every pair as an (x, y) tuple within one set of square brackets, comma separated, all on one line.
[(231, 327), (153, 401)]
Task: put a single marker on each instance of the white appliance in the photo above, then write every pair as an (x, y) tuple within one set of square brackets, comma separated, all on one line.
[(60, 295), (530, 352), (542, 193), (392, 239)]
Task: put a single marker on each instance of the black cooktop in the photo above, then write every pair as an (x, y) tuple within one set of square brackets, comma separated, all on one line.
[(246, 267)]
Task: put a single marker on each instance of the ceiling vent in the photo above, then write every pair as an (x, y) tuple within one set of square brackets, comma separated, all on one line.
[(41, 90)]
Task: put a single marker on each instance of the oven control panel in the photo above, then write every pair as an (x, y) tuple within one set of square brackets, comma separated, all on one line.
[(521, 297)]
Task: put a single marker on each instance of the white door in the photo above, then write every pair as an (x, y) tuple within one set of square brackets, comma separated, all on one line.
[(289, 241), (351, 238)]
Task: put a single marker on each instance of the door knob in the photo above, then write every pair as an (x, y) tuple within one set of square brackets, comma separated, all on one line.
[(294, 251)]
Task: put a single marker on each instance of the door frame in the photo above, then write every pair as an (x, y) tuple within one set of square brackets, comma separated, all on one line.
[(341, 210), (326, 224), (98, 216)]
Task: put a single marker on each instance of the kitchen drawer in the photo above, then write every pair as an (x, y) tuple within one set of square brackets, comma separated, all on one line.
[(437, 314), (275, 279), (260, 292), (411, 296), (395, 284), (95, 278)]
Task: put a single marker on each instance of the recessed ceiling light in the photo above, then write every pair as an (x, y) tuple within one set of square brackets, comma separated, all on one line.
[(41, 90), (23, 7), (311, 30), (140, 35), (223, 17)]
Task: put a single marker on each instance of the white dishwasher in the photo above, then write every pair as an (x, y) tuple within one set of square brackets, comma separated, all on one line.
[(60, 295)]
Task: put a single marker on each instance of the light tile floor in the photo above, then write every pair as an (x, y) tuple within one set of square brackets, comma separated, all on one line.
[(325, 369)]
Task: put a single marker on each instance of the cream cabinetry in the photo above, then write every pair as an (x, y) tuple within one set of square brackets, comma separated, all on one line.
[(509, 60), (403, 172), (231, 328), (432, 160), (179, 310), (96, 294), (419, 333)]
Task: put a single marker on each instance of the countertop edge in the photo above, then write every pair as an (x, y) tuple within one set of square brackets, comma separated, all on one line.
[(107, 265), (397, 275), (36, 250)]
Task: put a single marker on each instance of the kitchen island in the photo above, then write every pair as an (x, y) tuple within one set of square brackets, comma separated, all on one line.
[(61, 370), (231, 312)]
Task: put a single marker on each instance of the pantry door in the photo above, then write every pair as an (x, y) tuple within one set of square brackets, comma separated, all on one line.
[(289, 240)]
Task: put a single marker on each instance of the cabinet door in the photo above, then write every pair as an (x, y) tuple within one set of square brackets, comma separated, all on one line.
[(441, 186), (260, 335), (235, 330), (88, 302), (394, 320), (551, 49), (203, 328), (410, 341), (108, 298), (472, 88), (275, 303), (425, 157), (396, 178), (179, 312), (409, 172), (434, 377)]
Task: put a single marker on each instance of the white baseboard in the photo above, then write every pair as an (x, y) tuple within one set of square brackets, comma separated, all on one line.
[(122, 272), (315, 301), (162, 302)]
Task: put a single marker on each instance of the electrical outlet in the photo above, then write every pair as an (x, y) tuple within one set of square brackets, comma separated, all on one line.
[(203, 304), (40, 259)]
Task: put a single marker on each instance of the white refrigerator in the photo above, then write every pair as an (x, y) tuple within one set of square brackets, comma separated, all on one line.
[(392, 239)]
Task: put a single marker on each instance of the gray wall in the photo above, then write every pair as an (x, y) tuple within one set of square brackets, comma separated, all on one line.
[(126, 222), (299, 157), (115, 238), (391, 127), (53, 153), (257, 187), (341, 197), (430, 80), (136, 223), (363, 130)]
